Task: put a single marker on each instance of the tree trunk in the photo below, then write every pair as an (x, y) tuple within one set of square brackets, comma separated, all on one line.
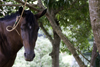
[(55, 51), (94, 55), (65, 40), (94, 8)]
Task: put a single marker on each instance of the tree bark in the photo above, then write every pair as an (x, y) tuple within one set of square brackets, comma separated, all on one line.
[(55, 50), (94, 55), (94, 8)]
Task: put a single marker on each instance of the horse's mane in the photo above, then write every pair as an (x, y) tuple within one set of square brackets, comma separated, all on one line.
[(12, 15), (30, 18)]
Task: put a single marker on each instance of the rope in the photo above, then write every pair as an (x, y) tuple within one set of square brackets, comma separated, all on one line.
[(17, 21)]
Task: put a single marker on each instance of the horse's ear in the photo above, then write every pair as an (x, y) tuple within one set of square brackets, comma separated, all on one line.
[(20, 11), (40, 14)]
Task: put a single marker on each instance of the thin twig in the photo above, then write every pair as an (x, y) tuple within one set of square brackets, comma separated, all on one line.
[(83, 55)]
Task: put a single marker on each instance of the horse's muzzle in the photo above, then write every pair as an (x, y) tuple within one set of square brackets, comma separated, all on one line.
[(29, 57)]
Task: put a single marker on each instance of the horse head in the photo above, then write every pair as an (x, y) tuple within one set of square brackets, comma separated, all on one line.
[(29, 31)]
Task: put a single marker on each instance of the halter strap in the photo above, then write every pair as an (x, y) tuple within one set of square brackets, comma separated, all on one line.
[(14, 26), (17, 21)]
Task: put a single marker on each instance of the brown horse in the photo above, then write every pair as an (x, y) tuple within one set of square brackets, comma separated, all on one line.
[(11, 42)]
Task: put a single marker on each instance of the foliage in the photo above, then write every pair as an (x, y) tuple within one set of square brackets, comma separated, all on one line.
[(55, 4), (75, 23), (4, 10)]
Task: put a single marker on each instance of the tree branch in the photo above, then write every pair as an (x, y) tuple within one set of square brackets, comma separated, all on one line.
[(46, 33), (31, 6), (40, 4), (10, 4)]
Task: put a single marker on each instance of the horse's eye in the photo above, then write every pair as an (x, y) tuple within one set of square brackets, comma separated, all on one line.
[(22, 29), (30, 27)]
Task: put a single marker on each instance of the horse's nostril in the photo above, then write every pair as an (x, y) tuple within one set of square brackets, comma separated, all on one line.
[(25, 54), (33, 55), (29, 57)]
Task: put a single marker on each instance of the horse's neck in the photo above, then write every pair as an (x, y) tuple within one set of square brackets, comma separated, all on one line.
[(13, 39)]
